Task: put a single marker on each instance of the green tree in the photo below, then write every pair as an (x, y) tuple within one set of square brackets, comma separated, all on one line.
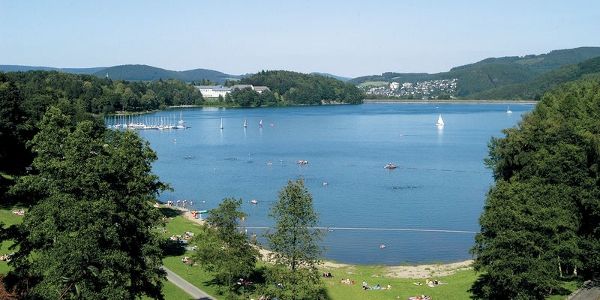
[(223, 249), (541, 219), (295, 245), (91, 233)]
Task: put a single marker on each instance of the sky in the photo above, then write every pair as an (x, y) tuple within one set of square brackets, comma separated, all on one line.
[(348, 38)]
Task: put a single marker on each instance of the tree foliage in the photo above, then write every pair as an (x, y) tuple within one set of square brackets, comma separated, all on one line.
[(90, 231), (541, 218), (24, 97), (299, 88), (294, 243), (223, 250), (249, 98)]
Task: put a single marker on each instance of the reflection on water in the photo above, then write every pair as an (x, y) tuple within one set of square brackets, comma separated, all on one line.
[(440, 182)]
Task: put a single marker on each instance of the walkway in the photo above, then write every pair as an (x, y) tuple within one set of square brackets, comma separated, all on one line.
[(187, 287), (589, 291)]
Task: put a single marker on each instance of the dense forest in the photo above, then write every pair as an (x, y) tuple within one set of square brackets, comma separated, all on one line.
[(298, 88), (535, 88), (100, 95), (24, 98), (541, 219), (249, 98)]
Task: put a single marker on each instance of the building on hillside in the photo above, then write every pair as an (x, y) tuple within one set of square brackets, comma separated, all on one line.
[(242, 86), (394, 85), (261, 88), (213, 91), (258, 88)]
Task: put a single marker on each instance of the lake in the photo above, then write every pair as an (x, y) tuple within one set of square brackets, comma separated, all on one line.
[(426, 210)]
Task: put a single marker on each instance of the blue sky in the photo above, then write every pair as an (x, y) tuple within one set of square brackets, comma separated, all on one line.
[(349, 38)]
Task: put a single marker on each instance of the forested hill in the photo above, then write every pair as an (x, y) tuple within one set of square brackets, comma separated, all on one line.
[(147, 73), (535, 88), (299, 88), (493, 73), (20, 68), (133, 73)]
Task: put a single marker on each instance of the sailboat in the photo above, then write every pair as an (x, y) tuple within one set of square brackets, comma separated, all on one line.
[(508, 111), (260, 124), (440, 122), (245, 123), (181, 123), (221, 124)]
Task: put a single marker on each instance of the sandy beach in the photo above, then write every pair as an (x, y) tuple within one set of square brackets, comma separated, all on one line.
[(400, 271)]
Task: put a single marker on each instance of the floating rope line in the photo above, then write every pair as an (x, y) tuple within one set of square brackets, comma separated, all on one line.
[(374, 229)]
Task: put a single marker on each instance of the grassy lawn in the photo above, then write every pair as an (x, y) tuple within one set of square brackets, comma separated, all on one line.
[(8, 218), (456, 288), (172, 292)]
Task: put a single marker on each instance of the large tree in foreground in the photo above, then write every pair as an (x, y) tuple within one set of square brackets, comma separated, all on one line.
[(294, 242), (541, 218), (225, 251), (91, 232)]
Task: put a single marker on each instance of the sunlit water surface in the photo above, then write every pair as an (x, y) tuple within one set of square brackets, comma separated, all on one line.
[(440, 182)]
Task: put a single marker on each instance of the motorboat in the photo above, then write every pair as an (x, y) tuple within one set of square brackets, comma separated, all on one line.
[(390, 166)]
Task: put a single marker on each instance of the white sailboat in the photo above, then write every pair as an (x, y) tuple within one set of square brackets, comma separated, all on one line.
[(245, 123), (440, 122), (181, 122), (260, 124), (508, 111), (221, 123)]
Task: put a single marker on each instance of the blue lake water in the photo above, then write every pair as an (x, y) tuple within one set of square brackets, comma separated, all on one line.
[(440, 182)]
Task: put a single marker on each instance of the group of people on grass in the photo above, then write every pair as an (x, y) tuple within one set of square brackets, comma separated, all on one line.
[(429, 283), (365, 286), (180, 203), (182, 238), (422, 297)]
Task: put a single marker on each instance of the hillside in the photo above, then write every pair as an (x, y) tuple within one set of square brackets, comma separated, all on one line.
[(537, 87), (19, 68), (132, 72), (311, 89), (340, 78), (474, 80), (147, 73)]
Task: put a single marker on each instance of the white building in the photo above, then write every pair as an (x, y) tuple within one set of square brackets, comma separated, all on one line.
[(213, 91), (258, 88), (394, 85)]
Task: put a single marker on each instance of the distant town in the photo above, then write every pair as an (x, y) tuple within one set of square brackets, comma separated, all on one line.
[(429, 89)]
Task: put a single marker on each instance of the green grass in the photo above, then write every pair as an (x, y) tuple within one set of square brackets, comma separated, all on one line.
[(172, 292), (8, 218), (457, 285)]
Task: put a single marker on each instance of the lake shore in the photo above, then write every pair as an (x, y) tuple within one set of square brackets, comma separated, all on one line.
[(453, 101), (420, 271)]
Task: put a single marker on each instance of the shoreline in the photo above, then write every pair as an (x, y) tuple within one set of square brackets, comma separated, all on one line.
[(365, 101), (416, 271), (453, 101)]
